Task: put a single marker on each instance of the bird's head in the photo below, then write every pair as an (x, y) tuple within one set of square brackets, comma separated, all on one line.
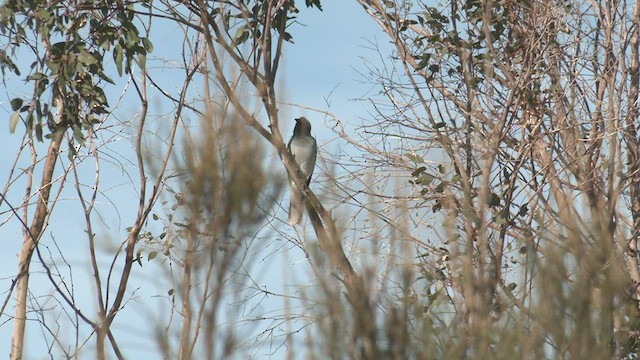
[(303, 126)]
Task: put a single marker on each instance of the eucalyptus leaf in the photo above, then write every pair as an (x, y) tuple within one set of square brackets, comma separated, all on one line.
[(118, 57), (16, 104), (415, 158), (13, 121), (39, 132)]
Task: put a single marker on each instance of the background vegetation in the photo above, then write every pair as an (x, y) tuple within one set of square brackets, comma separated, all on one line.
[(490, 207)]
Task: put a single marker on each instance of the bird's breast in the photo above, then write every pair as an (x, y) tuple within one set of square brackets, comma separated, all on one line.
[(304, 150)]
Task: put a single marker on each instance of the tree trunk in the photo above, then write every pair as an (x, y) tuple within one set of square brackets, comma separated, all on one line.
[(29, 243)]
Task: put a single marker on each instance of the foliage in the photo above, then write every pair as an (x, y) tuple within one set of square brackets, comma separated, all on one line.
[(511, 231), (521, 121), (69, 44)]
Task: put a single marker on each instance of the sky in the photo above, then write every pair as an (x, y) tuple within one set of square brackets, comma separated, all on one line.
[(319, 71)]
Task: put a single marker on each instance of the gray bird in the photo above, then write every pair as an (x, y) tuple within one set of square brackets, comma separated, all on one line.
[(304, 149)]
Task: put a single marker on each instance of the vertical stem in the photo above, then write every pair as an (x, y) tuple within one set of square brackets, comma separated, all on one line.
[(633, 150), (185, 333), (29, 244)]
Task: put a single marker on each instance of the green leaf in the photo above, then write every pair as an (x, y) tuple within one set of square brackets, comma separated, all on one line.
[(87, 58), (155, 216), (147, 45), (152, 255), (13, 121), (100, 96), (524, 209), (16, 104), (77, 134), (494, 200), (418, 171), (36, 76), (415, 158), (104, 77), (117, 57), (29, 121), (425, 179), (142, 61), (39, 132), (72, 152), (242, 34), (424, 61), (54, 66), (312, 3)]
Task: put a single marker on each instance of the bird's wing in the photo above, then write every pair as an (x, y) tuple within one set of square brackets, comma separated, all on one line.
[(312, 161)]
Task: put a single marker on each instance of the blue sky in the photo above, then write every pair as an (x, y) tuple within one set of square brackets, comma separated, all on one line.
[(319, 69)]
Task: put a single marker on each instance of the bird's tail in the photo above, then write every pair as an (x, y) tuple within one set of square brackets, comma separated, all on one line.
[(296, 204)]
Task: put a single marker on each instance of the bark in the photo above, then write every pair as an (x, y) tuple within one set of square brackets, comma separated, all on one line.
[(30, 241)]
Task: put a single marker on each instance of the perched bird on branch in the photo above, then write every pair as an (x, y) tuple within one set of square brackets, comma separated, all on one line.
[(304, 149)]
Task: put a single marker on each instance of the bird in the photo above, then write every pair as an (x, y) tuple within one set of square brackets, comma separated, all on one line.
[(304, 149)]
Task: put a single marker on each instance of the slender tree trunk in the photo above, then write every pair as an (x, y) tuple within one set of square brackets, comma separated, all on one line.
[(185, 334), (29, 243), (100, 337), (633, 152)]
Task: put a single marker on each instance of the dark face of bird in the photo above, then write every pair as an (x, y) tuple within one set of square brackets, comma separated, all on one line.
[(303, 127)]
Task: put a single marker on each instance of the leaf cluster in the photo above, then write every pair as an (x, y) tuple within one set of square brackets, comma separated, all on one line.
[(70, 73), (250, 18)]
